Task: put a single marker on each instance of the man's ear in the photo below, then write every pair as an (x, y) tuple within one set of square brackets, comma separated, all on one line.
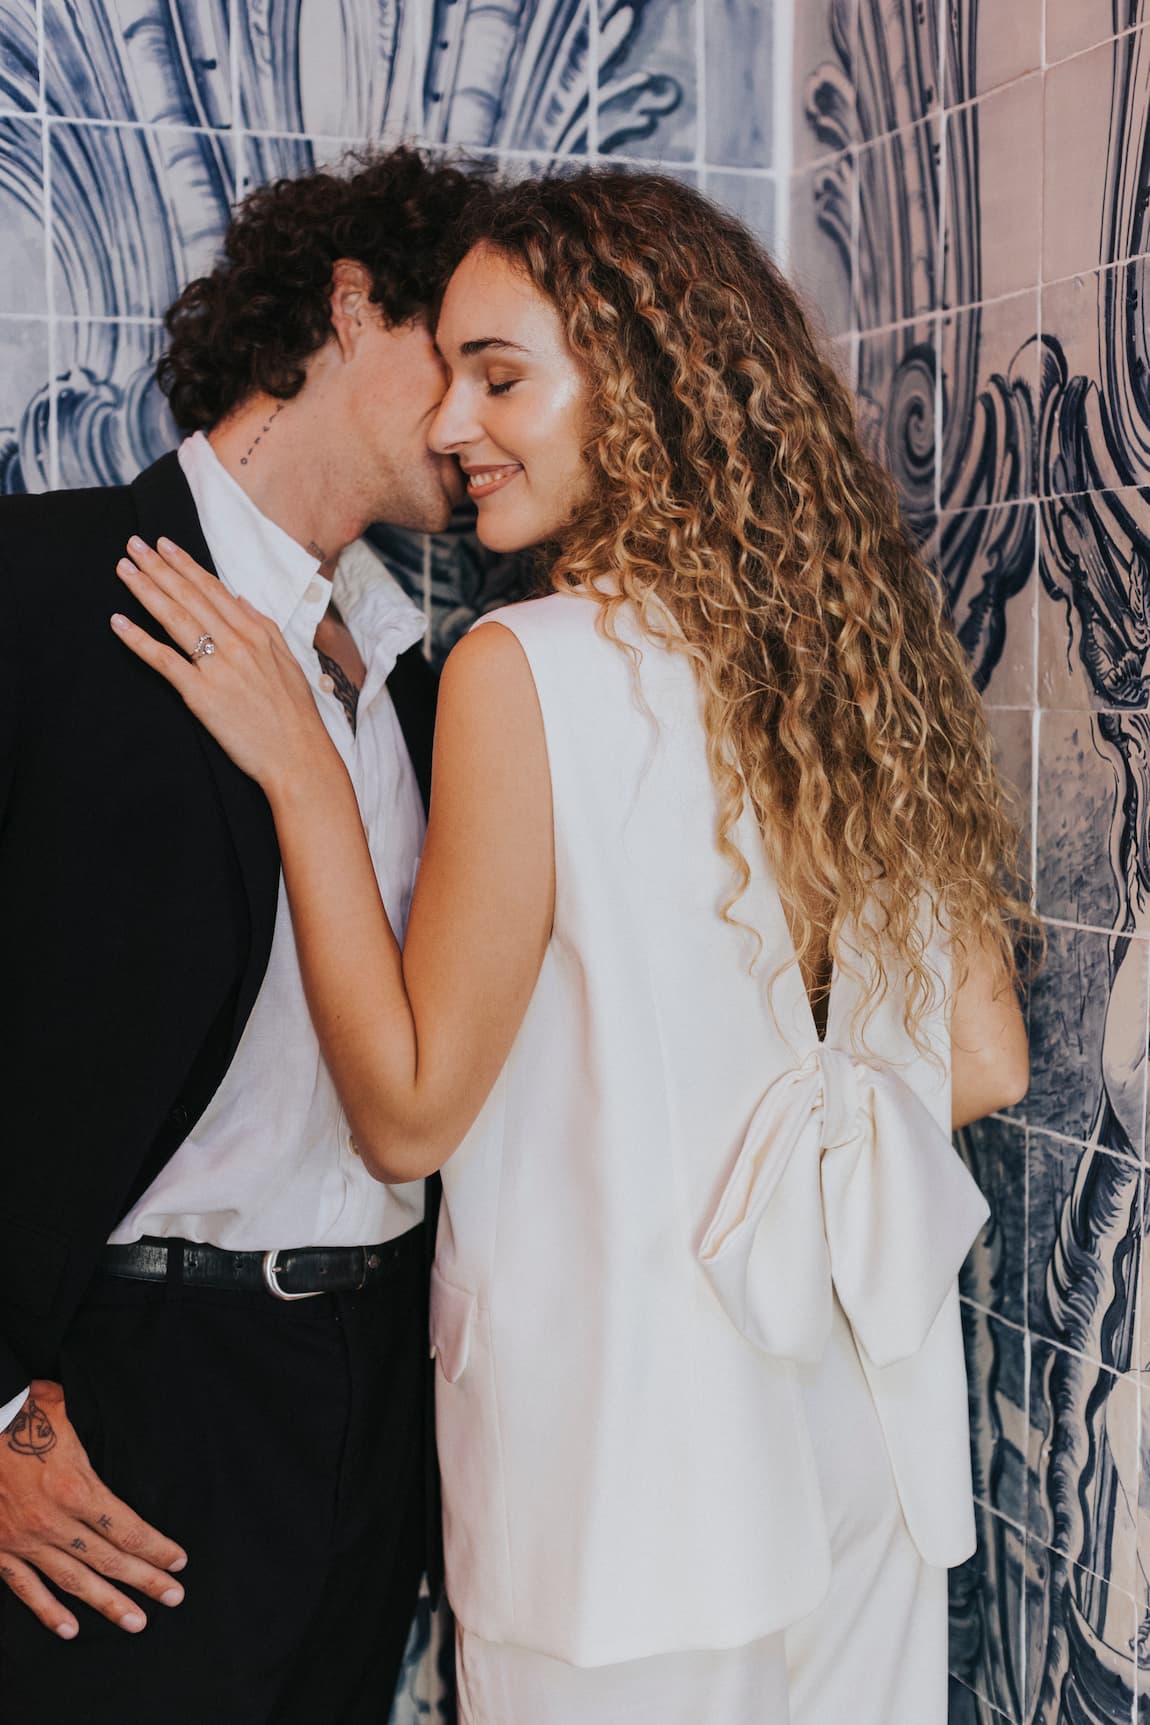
[(351, 307)]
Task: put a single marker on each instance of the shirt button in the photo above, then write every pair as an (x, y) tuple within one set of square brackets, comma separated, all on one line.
[(327, 684), (352, 1145), (314, 592)]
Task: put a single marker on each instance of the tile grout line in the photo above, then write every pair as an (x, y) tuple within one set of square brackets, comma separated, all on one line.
[(783, 134)]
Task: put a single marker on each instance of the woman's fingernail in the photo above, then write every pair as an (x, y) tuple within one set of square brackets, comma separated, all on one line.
[(166, 545), (133, 1621), (67, 1631), (126, 567), (135, 543), (172, 1596), (120, 624)]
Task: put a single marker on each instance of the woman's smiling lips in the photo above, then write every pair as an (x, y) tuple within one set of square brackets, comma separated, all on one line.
[(482, 481)]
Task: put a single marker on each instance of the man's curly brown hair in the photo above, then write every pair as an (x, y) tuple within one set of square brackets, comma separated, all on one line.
[(253, 323)]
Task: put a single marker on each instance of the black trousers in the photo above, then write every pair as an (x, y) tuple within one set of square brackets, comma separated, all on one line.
[(283, 1446)]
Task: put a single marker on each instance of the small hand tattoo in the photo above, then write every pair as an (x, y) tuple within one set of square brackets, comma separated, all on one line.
[(105, 1522), (31, 1432), (7, 1573), (264, 429), (78, 1544)]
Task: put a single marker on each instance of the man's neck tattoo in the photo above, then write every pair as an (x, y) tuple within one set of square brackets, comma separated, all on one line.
[(263, 431), (317, 551)]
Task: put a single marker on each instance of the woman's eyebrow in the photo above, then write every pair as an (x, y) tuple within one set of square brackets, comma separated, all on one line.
[(470, 348)]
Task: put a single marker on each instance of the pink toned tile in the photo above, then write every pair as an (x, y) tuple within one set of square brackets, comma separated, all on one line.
[(1012, 730), (897, 82), (990, 375), (821, 225), (1076, 131), (994, 194), (988, 562), (1072, 25), (1077, 800), (898, 226), (1091, 649), (988, 46), (823, 85)]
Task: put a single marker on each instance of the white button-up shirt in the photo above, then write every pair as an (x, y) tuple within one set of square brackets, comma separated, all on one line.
[(271, 1161)]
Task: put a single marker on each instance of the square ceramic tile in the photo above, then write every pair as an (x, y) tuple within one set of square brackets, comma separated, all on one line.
[(1072, 25), (751, 197), (23, 285), (821, 226), (329, 71), (1079, 783), (896, 413), (823, 115), (112, 420), (1079, 1051), (19, 56), (1087, 322), (1072, 1394), (24, 368), (987, 559), (898, 226), (500, 76), (1092, 648), (996, 1375), (648, 79), (1083, 1217), (993, 209), (986, 1617), (136, 214), (995, 1272), (989, 45), (1077, 142), (739, 55), (1069, 1608), (171, 68), (260, 158), (990, 411), (1012, 729), (898, 65)]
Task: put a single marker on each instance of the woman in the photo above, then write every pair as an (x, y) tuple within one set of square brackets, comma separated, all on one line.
[(710, 946)]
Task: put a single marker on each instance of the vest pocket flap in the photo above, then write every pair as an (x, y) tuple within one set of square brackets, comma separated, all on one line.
[(452, 1320)]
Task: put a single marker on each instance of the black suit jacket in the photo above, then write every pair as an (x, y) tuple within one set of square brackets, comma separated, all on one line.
[(138, 883)]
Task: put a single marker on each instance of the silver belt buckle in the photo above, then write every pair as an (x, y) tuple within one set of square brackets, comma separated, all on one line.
[(272, 1283)]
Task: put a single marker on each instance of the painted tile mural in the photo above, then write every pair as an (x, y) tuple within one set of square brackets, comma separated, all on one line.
[(971, 221), (128, 127)]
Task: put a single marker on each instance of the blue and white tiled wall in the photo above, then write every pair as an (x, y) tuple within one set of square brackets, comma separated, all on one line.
[(128, 128), (971, 215)]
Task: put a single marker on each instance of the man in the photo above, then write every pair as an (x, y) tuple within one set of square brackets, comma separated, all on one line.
[(212, 1320)]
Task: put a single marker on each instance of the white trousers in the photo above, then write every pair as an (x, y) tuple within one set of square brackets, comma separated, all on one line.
[(872, 1653)]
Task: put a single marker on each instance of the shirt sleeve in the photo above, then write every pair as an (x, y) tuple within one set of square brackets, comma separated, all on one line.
[(10, 1409)]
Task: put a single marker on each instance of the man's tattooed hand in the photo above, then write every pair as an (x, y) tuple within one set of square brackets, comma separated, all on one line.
[(32, 1432)]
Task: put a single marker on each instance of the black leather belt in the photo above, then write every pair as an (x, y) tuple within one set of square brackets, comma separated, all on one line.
[(291, 1273)]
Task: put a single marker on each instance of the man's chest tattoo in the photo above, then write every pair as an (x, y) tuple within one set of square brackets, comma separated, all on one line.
[(345, 690)]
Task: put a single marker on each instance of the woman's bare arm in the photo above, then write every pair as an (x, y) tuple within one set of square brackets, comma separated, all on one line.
[(415, 1042), (990, 1064)]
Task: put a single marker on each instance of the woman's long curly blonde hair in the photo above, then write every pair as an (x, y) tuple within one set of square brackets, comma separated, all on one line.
[(731, 490)]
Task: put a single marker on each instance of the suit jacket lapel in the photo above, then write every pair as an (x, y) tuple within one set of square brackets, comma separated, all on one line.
[(164, 505)]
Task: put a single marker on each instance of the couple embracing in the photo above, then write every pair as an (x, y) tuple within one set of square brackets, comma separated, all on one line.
[(705, 945)]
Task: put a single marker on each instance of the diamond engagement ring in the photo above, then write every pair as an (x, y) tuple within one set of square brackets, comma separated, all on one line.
[(204, 648)]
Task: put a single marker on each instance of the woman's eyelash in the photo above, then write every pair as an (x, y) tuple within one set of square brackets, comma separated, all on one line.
[(501, 388)]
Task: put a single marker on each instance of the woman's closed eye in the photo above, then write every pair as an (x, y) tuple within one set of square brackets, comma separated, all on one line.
[(502, 388)]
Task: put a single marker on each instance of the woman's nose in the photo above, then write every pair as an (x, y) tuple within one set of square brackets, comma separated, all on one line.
[(453, 425)]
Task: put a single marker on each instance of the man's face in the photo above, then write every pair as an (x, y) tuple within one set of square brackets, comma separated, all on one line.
[(396, 383)]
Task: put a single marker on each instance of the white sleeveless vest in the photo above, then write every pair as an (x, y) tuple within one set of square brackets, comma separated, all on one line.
[(642, 1230)]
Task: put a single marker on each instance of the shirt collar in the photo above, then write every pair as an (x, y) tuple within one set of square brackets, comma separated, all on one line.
[(253, 556)]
